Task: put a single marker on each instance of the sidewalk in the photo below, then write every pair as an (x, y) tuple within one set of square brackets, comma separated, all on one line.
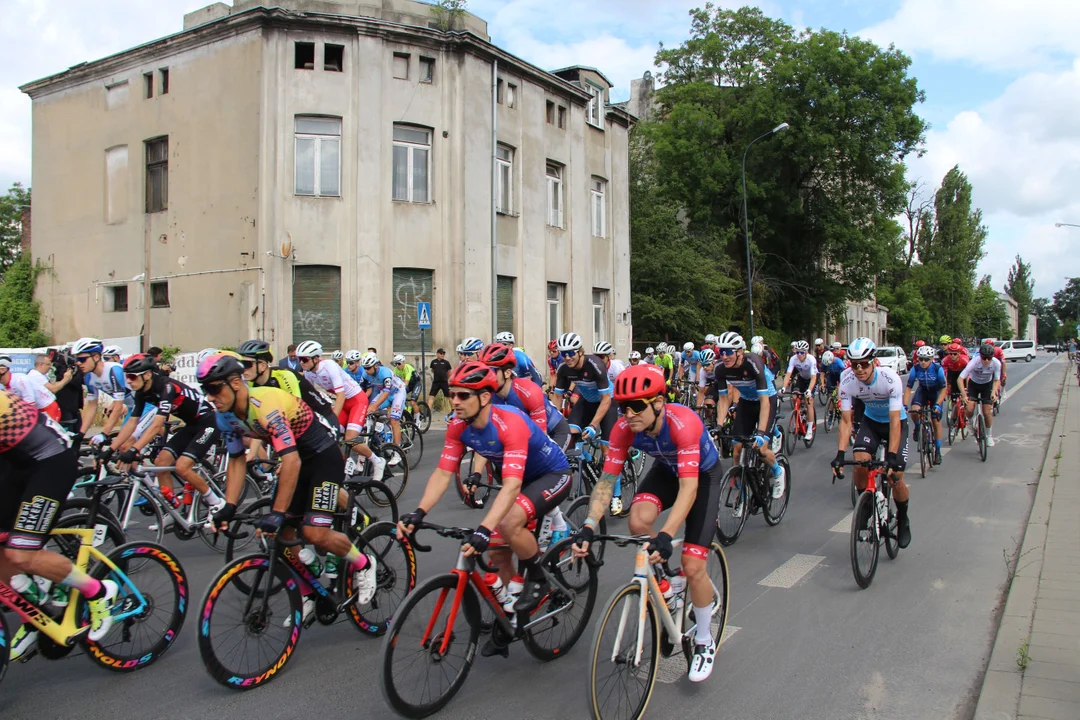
[(1034, 669)]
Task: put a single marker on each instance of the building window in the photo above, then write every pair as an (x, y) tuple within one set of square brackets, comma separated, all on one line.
[(159, 294), (318, 156), (408, 287), (504, 303), (427, 70), (401, 66), (562, 117), (412, 164), (116, 298), (499, 91), (550, 113), (164, 72), (599, 300), (592, 110), (333, 57), (116, 95), (157, 174), (504, 192), (511, 94), (554, 195), (555, 295), (116, 184), (148, 85), (599, 219), (305, 56)]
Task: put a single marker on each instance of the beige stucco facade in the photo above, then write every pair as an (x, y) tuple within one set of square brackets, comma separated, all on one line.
[(234, 93)]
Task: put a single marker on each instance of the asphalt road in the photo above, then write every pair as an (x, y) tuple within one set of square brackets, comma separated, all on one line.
[(806, 644)]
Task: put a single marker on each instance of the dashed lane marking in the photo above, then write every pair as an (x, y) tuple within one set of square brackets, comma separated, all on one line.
[(844, 526), (791, 572)]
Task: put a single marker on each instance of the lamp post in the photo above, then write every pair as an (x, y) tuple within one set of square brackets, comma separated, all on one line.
[(746, 222), (1066, 225)]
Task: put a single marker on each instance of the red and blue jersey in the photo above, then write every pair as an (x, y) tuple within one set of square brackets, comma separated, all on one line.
[(683, 444), (528, 397), (510, 440)]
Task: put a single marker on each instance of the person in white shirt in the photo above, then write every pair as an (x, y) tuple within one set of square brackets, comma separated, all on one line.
[(29, 390), (980, 382), (40, 374), (614, 365)]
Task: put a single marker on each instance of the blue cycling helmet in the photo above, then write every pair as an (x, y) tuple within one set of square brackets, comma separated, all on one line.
[(472, 345)]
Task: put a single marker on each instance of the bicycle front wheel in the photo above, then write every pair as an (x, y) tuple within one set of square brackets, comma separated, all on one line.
[(620, 684), (569, 609), (980, 434), (924, 444), (776, 508), (575, 517), (734, 506), (864, 540), (414, 440), (792, 432), (396, 474), (423, 419), (395, 577)]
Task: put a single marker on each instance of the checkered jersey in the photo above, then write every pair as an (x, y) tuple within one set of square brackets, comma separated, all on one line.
[(17, 419)]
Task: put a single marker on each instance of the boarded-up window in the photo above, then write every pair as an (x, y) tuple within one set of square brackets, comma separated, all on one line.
[(410, 287), (157, 174), (116, 95), (116, 184), (504, 295), (317, 304)]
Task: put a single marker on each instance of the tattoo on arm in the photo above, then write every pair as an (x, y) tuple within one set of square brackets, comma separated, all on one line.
[(600, 498)]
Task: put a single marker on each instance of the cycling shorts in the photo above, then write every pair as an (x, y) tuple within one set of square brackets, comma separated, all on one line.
[(800, 383), (747, 413), (660, 486), (872, 433), (560, 434), (195, 439), (31, 495), (317, 485), (354, 413), (981, 392), (924, 397), (583, 413), (954, 386)]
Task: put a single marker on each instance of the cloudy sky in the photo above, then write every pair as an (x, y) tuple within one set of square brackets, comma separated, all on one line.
[(1002, 80)]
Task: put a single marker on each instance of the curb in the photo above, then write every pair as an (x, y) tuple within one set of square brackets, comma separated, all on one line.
[(999, 698)]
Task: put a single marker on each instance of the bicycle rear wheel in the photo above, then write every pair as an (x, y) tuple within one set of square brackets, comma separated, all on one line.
[(396, 476), (734, 506), (717, 568), (575, 516), (395, 577), (775, 508), (830, 419), (413, 439), (423, 419), (923, 445), (792, 432), (620, 687), (864, 540), (891, 537), (553, 637)]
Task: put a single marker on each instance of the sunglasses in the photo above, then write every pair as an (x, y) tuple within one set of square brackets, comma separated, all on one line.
[(800, 352), (955, 354), (212, 388), (81, 358), (248, 363), (861, 364), (569, 353), (132, 376), (926, 359), (466, 355), (463, 395), (727, 352), (306, 360), (631, 408)]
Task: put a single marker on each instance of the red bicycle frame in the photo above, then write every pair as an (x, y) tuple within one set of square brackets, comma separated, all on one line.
[(796, 409)]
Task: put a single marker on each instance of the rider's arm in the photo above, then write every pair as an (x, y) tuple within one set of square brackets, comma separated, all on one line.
[(116, 414), (622, 437), (235, 474), (907, 395), (845, 430), (436, 486), (89, 412), (449, 463), (603, 386)]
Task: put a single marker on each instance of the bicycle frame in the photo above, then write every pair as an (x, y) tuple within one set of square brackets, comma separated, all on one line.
[(188, 523)]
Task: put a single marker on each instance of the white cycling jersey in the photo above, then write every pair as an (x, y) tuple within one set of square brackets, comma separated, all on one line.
[(982, 373), (882, 395), (39, 379), (807, 367), (616, 367), (330, 377), (109, 383)]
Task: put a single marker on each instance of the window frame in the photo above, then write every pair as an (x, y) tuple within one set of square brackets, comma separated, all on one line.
[(593, 106), (429, 64), (511, 95), (297, 44), (562, 117), (549, 112), (318, 139), (155, 285), (411, 148), (327, 67), (148, 85), (163, 76), (598, 204), (111, 306), (555, 303), (555, 188), (151, 166), (598, 313), (407, 57), (504, 196)]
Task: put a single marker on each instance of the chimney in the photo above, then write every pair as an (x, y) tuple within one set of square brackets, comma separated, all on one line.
[(24, 221)]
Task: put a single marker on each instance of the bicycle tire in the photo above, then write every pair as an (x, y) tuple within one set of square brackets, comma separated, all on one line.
[(469, 613), (776, 508), (981, 436), (854, 491), (733, 492), (864, 538), (5, 643), (813, 435), (822, 397), (719, 571), (416, 439), (380, 496), (559, 561), (923, 444), (394, 581), (215, 541), (423, 419), (601, 655), (791, 438), (575, 516), (255, 623), (892, 541), (830, 419), (129, 630), (395, 481)]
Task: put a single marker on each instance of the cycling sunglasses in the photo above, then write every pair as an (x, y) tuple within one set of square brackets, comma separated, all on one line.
[(631, 408), (861, 364), (726, 352), (212, 388), (955, 354), (926, 359), (248, 363), (800, 352), (569, 353), (133, 376), (463, 395), (82, 358)]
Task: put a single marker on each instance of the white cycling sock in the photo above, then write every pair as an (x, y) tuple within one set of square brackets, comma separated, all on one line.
[(703, 618), (558, 521), (211, 498)]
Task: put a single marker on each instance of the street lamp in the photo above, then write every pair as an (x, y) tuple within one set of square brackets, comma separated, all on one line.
[(1066, 225), (746, 222)]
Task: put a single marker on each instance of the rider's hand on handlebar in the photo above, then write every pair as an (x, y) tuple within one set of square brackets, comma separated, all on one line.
[(478, 542), (583, 540), (409, 522), (224, 516)]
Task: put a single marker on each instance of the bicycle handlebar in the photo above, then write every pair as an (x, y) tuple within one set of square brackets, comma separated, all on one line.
[(457, 533)]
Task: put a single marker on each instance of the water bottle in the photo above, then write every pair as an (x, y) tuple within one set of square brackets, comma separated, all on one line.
[(311, 560), (495, 584), (544, 538), (678, 583), (669, 593), (189, 492), (170, 496), (882, 508), (26, 587), (513, 590)]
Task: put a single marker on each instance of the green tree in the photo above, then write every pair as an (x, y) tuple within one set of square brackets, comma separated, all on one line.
[(11, 205), (448, 13), (908, 314), (20, 314), (1047, 321), (1067, 301), (1021, 287), (989, 316)]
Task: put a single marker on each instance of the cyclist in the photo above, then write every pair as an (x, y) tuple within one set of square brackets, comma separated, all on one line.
[(689, 361), (805, 382), (39, 466), (350, 403), (162, 396), (411, 378), (594, 413), (32, 392), (525, 395), (945, 341), (770, 356), (710, 343), (756, 409), (606, 352), (352, 365), (832, 368), (535, 474), (819, 350), (915, 356), (469, 349), (980, 382), (665, 361), (932, 388), (111, 353), (685, 477), (838, 349), (525, 366), (387, 393), (633, 358), (884, 420), (1000, 355), (339, 358), (650, 356), (102, 379), (706, 378), (955, 360)]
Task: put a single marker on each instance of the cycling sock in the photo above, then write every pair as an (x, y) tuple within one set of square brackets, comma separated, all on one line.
[(530, 568), (79, 580), (355, 559), (210, 497), (937, 445), (703, 618), (901, 510)]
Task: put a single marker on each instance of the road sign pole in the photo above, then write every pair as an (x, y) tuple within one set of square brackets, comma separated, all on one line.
[(423, 322), (423, 378)]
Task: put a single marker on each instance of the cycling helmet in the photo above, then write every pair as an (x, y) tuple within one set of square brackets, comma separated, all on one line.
[(5, 361), (794, 343), (218, 366), (861, 349), (111, 350), (459, 349), (369, 359), (955, 348), (87, 345), (569, 341), (639, 382), (398, 359), (758, 349), (730, 341), (920, 343), (256, 349), (552, 344), (650, 351), (926, 352), (634, 355), (707, 356), (827, 358), (802, 346), (205, 353), (687, 347), (337, 355), (505, 337), (309, 349), (819, 341), (710, 339), (603, 348), (945, 339), (472, 345), (757, 339), (986, 351), (836, 345), (139, 363), (498, 356), (352, 356), (475, 376)]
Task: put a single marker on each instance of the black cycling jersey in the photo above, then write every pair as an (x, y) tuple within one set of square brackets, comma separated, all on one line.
[(171, 397), (299, 386), (749, 378), (590, 380)]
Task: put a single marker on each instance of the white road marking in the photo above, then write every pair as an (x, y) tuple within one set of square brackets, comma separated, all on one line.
[(792, 571), (672, 669), (844, 526)]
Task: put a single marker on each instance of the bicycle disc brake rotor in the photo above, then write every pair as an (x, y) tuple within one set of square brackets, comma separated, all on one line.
[(325, 611)]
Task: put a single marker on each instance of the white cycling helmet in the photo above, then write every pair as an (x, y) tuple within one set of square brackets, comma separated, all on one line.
[(398, 359), (505, 338), (337, 355), (836, 345), (802, 346), (205, 353), (710, 339), (819, 341), (650, 351), (740, 344), (757, 339), (111, 350), (472, 345), (687, 347), (707, 356), (369, 359), (730, 341), (757, 348), (569, 341), (926, 352), (794, 343), (352, 356), (827, 358), (861, 349), (603, 348), (634, 355), (86, 345), (309, 349), (459, 349)]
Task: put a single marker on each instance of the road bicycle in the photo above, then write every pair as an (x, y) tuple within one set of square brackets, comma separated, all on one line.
[(431, 647), (832, 411), (148, 611), (873, 523), (798, 423), (422, 416), (978, 430), (924, 428), (747, 490), (639, 625), (957, 419), (822, 392), (395, 476)]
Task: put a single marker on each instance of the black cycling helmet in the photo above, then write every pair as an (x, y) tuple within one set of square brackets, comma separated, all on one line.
[(219, 366), (139, 363), (986, 351), (256, 350)]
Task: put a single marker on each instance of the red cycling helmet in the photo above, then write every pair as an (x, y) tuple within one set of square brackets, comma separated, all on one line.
[(954, 348), (475, 376), (639, 382), (498, 356), (139, 363), (919, 343), (552, 345)]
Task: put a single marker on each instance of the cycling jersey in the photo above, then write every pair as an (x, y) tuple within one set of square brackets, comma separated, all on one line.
[(616, 367), (405, 372), (881, 396), (705, 377), (383, 380), (357, 374), (590, 380), (510, 440), (807, 367), (109, 383), (955, 365), (525, 367), (691, 359), (666, 362), (752, 379), (683, 444), (330, 377), (30, 391), (982, 373), (929, 378), (171, 398), (528, 397), (299, 386), (26, 433), (280, 418), (835, 370)]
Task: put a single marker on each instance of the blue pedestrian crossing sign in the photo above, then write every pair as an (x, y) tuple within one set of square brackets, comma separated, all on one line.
[(423, 315)]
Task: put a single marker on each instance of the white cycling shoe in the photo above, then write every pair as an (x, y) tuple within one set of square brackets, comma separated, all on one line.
[(701, 664)]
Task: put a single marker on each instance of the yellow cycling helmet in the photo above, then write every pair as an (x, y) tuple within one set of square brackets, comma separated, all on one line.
[(945, 339)]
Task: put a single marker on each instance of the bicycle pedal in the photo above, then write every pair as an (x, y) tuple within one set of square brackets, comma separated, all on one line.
[(491, 649)]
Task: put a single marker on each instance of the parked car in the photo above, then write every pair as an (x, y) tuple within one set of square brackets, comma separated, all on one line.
[(1017, 350), (1041, 348), (893, 357)]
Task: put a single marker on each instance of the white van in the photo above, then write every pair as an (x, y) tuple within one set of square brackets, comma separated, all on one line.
[(1018, 349)]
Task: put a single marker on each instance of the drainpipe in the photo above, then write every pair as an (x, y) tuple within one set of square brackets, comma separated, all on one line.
[(494, 198)]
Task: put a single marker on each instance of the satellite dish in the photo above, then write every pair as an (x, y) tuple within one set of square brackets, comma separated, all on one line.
[(286, 246)]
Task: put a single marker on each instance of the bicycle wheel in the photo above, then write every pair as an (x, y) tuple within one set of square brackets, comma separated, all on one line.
[(822, 396), (792, 434), (379, 495), (396, 476), (620, 686), (638, 461), (246, 635), (717, 568), (553, 637), (575, 517), (395, 575), (423, 419), (854, 491), (830, 419), (427, 654), (775, 508), (236, 546), (107, 537), (148, 611), (250, 494), (628, 480), (864, 540), (923, 445), (734, 506), (413, 442), (892, 540), (980, 435), (813, 435)]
